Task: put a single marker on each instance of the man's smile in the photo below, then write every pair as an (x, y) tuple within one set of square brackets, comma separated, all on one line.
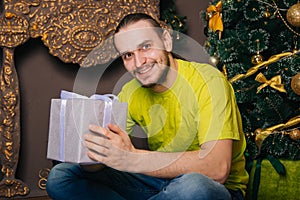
[(144, 69)]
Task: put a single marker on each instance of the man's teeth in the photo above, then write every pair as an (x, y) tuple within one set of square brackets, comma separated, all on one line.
[(144, 69)]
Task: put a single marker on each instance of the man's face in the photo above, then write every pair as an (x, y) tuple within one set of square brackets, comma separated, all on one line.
[(143, 53)]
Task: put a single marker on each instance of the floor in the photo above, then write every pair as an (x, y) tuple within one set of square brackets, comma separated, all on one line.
[(35, 198)]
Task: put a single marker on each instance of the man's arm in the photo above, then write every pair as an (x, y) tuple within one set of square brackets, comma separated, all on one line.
[(117, 151), (212, 160)]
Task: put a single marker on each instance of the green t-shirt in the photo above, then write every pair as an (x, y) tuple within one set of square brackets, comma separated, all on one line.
[(199, 107)]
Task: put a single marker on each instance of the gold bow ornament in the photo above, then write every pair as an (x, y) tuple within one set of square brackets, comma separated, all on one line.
[(215, 18), (274, 82)]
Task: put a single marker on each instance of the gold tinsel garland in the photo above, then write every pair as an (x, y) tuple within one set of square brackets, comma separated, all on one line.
[(262, 134), (261, 65)]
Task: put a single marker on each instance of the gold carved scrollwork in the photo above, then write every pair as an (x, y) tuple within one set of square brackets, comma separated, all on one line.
[(43, 175), (77, 31), (72, 29), (13, 30), (10, 127)]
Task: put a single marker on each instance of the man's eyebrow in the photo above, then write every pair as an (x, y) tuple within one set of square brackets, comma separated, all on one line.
[(143, 43), (123, 53), (139, 46)]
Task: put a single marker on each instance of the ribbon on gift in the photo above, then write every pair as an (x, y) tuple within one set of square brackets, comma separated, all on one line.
[(66, 95), (274, 82), (106, 98)]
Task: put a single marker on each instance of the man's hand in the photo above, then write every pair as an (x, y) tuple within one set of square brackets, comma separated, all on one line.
[(111, 146)]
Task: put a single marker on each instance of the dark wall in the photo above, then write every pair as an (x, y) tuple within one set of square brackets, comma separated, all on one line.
[(41, 78), (191, 9)]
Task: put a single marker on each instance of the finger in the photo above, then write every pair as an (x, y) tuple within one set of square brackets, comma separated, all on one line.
[(115, 128), (99, 140), (97, 129), (119, 131), (99, 149), (97, 157), (103, 131)]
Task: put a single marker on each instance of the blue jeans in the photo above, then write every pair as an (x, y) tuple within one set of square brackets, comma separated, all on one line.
[(70, 182)]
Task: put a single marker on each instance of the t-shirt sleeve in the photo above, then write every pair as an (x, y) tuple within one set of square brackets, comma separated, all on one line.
[(219, 117), (124, 97)]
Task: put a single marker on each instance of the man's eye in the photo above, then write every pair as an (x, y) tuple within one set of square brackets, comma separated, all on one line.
[(146, 46), (127, 55)]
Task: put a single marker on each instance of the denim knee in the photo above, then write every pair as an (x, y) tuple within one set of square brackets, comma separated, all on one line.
[(59, 177), (194, 183), (193, 186)]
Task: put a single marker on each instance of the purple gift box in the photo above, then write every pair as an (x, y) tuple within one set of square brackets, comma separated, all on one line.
[(70, 117)]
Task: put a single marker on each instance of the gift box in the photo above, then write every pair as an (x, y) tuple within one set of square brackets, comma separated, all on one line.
[(70, 117)]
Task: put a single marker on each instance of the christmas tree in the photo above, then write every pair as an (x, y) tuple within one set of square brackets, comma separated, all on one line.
[(255, 43)]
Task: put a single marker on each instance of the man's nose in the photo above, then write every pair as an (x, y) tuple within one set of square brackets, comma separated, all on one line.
[(140, 59)]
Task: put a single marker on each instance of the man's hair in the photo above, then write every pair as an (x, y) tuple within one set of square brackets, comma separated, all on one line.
[(135, 17)]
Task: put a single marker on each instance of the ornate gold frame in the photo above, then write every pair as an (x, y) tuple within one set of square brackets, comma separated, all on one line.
[(71, 29)]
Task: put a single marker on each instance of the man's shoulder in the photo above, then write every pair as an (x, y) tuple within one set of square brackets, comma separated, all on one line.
[(129, 89), (195, 70)]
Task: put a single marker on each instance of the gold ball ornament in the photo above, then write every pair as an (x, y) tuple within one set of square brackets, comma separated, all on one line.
[(293, 15), (256, 59), (214, 60), (266, 14), (295, 134), (295, 84)]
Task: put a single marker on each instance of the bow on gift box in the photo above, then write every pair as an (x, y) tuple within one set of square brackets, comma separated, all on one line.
[(215, 19), (274, 82), (107, 98)]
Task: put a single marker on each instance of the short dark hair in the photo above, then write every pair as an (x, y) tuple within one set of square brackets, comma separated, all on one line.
[(135, 17)]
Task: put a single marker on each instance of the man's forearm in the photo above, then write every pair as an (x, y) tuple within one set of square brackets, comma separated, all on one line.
[(212, 160), (166, 165)]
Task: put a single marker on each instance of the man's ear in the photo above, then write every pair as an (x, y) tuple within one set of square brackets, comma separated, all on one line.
[(168, 41)]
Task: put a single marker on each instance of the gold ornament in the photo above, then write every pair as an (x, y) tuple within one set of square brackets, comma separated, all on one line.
[(258, 131), (293, 15), (260, 136), (295, 51), (214, 60), (274, 82), (256, 59), (267, 13), (295, 84), (214, 17), (295, 134)]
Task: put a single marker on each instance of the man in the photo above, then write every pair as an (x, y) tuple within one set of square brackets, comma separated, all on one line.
[(189, 113)]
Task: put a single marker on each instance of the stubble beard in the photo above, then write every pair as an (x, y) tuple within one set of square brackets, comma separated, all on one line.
[(163, 77)]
